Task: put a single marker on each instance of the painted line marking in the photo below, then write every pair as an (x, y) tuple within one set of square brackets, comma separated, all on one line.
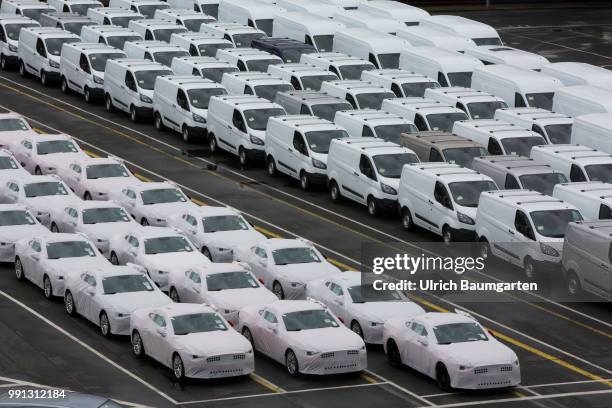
[(265, 383)]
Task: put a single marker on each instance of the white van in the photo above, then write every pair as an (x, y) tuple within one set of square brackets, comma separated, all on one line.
[(27, 8), (582, 100), (360, 94), (480, 33), (367, 170), (499, 137), (113, 16), (157, 51), (159, 30), (477, 104), (524, 228), (442, 198), (426, 114), (343, 66), (297, 145), (555, 127), (200, 44), (39, 52), (74, 6), (369, 21), (382, 50), (443, 147), (82, 68), (314, 103), (206, 67), (237, 124), (430, 37), (580, 73), (519, 87), (401, 82), (190, 19), (248, 59), (145, 7), (594, 130), (593, 199), (128, 86), (249, 12), (496, 54), (402, 12), (67, 21), (578, 163), (240, 35), (375, 123), (313, 30), (345, 4), (259, 84), (316, 7), (449, 68), (181, 103), (208, 7), (10, 25), (111, 35), (302, 76)]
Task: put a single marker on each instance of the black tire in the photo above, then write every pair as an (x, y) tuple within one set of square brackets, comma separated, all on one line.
[(212, 143), (372, 207), (356, 328), (246, 333), (292, 363), (113, 258), (393, 354), (69, 303), (484, 249), (22, 70), (87, 95), (134, 116), (105, 327), (529, 269), (407, 222), (277, 289), (37, 171), (178, 368), (3, 62), (19, 272), (242, 157), (137, 345), (442, 378), (304, 181), (144, 222), (334, 191), (87, 196), (108, 103), (47, 288), (44, 80), (186, 134), (54, 228), (64, 86), (159, 123), (447, 235), (206, 253), (174, 295), (271, 166), (572, 284)]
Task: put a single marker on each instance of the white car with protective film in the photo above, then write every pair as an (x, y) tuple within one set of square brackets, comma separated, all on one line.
[(452, 348), (304, 336), (216, 231), (9, 167), (13, 129), (161, 251), (192, 340), (47, 260), (358, 306), (47, 153), (108, 296), (226, 287), (285, 266), (16, 223)]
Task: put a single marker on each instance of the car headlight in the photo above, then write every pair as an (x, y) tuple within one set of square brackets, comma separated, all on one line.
[(318, 164), (13, 48), (296, 284), (362, 348), (516, 362), (256, 141), (375, 324), (548, 250), (250, 351), (98, 80), (162, 272), (53, 64), (312, 353), (145, 99), (466, 219), (465, 367), (198, 118), (387, 189), (123, 315)]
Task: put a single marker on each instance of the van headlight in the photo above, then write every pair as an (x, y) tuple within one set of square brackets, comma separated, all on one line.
[(548, 250), (466, 219), (145, 99), (198, 118), (98, 80), (387, 189), (318, 164), (13, 48), (53, 64), (256, 141)]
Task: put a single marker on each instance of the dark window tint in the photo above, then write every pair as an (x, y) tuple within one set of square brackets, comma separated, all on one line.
[(519, 101), (605, 212), (494, 147), (299, 144), (511, 183), (522, 225), (576, 174), (420, 123), (442, 79), (435, 156), (238, 121), (441, 195), (366, 168)]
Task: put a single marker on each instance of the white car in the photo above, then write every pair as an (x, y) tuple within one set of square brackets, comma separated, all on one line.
[(16, 223), (95, 178), (304, 336), (152, 203), (48, 259), (47, 154), (285, 265), (360, 307), (9, 167), (193, 340), (161, 251), (40, 194), (452, 348), (226, 287), (108, 296), (97, 220), (216, 231), (13, 129)]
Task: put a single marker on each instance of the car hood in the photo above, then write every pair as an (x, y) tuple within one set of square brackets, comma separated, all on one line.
[(17, 232), (213, 343), (379, 312), (49, 203), (115, 183), (236, 299), (232, 239), (177, 260), (77, 264), (478, 353), (107, 229), (306, 272), (129, 302), (325, 339), (165, 209)]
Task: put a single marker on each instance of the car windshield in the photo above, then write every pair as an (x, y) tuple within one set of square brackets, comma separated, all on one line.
[(104, 215), (484, 110), (118, 41), (354, 71), (126, 284), (193, 24), (289, 256), (319, 141), (553, 223), (125, 21), (464, 156), (487, 41), (164, 245), (35, 13), (164, 34), (230, 280), (443, 122), (467, 193), (76, 28), (56, 146), (54, 45), (149, 10), (221, 223), (599, 172), (12, 30), (69, 249), (98, 61), (269, 91), (391, 133), (390, 165), (9, 125), (197, 323), (367, 293), (210, 50), (542, 100), (308, 320), (146, 78), (459, 333), (328, 110), (7, 163), (82, 8), (97, 171), (265, 25), (216, 74), (166, 57), (294, 54), (324, 43), (463, 79), (373, 100), (313, 82), (389, 60), (16, 217), (244, 40), (542, 182), (417, 88), (199, 98), (559, 134), (261, 65), (162, 195), (521, 146), (257, 119), (47, 188)]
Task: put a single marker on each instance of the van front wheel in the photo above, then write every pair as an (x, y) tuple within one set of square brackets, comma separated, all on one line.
[(187, 138), (530, 269), (304, 181), (159, 123), (108, 103), (334, 191), (212, 143), (3, 62), (87, 95), (573, 284), (407, 220), (271, 166), (22, 70), (447, 234), (64, 86), (44, 81), (372, 207)]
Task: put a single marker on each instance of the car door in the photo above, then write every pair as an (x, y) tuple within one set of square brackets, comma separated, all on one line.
[(71, 220), (181, 109), (521, 238), (297, 153), (128, 200), (133, 250), (415, 346), (73, 178), (238, 131), (440, 208), (267, 333), (258, 259), (89, 297), (28, 258), (156, 334), (23, 153), (193, 287), (366, 176), (10, 194), (335, 300), (35, 258), (39, 57), (189, 225)]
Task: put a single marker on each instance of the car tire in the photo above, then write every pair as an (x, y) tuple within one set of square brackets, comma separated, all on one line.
[(304, 181), (484, 249), (113, 258), (356, 328), (144, 222), (64, 85), (108, 103), (206, 252), (407, 222), (271, 166), (572, 284), (334, 191), (69, 304), (246, 333), (212, 143), (447, 235), (37, 171), (44, 80), (277, 289), (174, 295), (134, 116), (178, 368), (242, 157), (159, 123), (137, 345), (529, 269), (87, 95), (47, 287), (442, 378), (393, 354), (22, 70), (186, 134), (19, 272), (372, 207), (292, 364), (54, 228), (3, 62), (87, 196), (105, 326)]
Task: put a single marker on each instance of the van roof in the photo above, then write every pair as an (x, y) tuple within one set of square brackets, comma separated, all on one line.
[(462, 94), (115, 11), (591, 73), (587, 92), (373, 116), (333, 58), (104, 29), (601, 228), (191, 81), (30, 4), (465, 26), (538, 115), (423, 105), (313, 96), (298, 68), (501, 54), (192, 36), (528, 200), (399, 10), (155, 45), (53, 32), (448, 172), (204, 61), (249, 53), (592, 188), (255, 78), (374, 22), (307, 20), (496, 128), (444, 140), (325, 9), (230, 27), (437, 38), (15, 18), (307, 123), (256, 9), (444, 58), (380, 42), (372, 145), (61, 16), (92, 47), (518, 165), (156, 23), (395, 74), (603, 120), (247, 101), (532, 80), (138, 63), (176, 12), (355, 85), (578, 153)]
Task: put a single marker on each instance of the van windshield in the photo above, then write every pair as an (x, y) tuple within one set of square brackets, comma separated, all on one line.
[(391, 133), (269, 91), (166, 57), (265, 25), (54, 45), (245, 40), (261, 65), (35, 13), (521, 145), (542, 100), (313, 82), (417, 88), (118, 41), (390, 165), (148, 10), (215, 74), (98, 61), (76, 28), (12, 30), (319, 141), (82, 8), (125, 21), (354, 71), (487, 41), (467, 193), (210, 50), (542, 182), (559, 134), (599, 172), (484, 110), (328, 110), (389, 60), (324, 42), (164, 34), (193, 24), (257, 119), (443, 122), (464, 156), (146, 79), (463, 79), (373, 100), (552, 223), (294, 54), (199, 98)]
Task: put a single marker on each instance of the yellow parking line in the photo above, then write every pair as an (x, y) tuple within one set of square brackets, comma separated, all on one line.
[(265, 383), (141, 177), (518, 394), (369, 379), (37, 130), (198, 202), (267, 232), (341, 265), (90, 153)]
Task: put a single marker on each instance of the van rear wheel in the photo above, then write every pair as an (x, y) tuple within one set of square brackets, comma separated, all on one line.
[(64, 86), (212, 143)]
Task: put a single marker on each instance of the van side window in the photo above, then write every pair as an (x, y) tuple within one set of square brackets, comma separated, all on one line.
[(2, 34), (181, 100), (66, 9), (40, 48), (396, 90), (308, 40), (101, 40), (441, 195), (250, 23), (351, 100), (367, 132), (333, 69), (304, 110), (461, 106), (296, 83), (372, 59), (605, 212), (193, 51), (420, 123), (435, 156), (133, 8), (365, 166), (494, 148), (149, 35), (299, 143), (196, 72), (511, 183), (106, 21), (537, 129), (241, 66), (248, 90), (519, 101), (130, 82), (84, 64), (576, 174), (238, 121), (442, 79), (522, 225), (148, 56), (228, 38)]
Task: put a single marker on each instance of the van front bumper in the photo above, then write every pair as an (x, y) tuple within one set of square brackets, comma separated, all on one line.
[(464, 234), (548, 267), (256, 154), (11, 60), (144, 111), (318, 178), (97, 93), (198, 131), (387, 204)]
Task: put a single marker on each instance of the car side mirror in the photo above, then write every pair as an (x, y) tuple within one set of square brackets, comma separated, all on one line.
[(423, 340), (132, 251), (161, 332), (91, 291)]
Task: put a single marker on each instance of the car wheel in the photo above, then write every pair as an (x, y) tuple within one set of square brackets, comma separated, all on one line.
[(108, 103), (174, 295), (246, 333), (442, 377), (407, 223), (105, 327), (393, 354), (372, 207), (334, 191), (529, 269), (212, 143), (356, 328), (277, 289), (3, 62), (113, 258), (144, 222), (64, 85), (159, 123), (37, 171), (187, 138), (54, 227), (134, 114), (573, 284), (19, 273), (304, 181), (178, 368), (484, 248), (47, 288), (242, 157), (22, 70), (291, 362), (447, 235), (87, 196), (137, 346), (87, 95), (206, 253), (43, 78), (69, 303), (271, 166)]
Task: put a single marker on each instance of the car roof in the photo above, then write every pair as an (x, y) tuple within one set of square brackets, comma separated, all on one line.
[(281, 243), (308, 123), (179, 309), (31, 179), (220, 267), (155, 232), (289, 306), (86, 161)]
